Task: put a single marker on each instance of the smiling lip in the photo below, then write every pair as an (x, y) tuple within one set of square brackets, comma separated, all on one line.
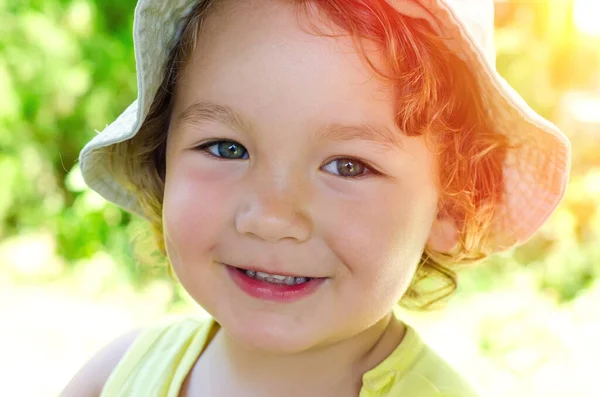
[(273, 292)]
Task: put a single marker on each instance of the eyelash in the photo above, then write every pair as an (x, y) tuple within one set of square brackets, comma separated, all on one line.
[(369, 169)]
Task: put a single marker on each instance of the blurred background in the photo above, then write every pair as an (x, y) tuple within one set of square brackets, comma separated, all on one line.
[(75, 271)]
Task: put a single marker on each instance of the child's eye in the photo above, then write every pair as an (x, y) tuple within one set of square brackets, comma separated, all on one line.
[(225, 149), (347, 168)]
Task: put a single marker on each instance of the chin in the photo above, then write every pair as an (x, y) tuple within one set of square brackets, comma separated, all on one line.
[(267, 334)]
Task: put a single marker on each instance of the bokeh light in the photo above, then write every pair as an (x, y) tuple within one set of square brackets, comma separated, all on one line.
[(586, 14)]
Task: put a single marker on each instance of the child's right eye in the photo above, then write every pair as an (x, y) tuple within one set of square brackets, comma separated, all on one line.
[(225, 149)]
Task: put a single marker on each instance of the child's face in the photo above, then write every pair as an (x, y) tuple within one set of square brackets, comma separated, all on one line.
[(279, 203)]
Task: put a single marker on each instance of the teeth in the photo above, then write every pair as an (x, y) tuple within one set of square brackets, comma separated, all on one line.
[(276, 278)]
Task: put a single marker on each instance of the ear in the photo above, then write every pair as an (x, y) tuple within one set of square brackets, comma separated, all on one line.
[(443, 236)]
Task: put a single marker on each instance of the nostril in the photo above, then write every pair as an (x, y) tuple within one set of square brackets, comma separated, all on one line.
[(272, 221)]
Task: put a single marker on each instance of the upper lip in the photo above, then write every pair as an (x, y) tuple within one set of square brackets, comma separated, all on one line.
[(263, 270)]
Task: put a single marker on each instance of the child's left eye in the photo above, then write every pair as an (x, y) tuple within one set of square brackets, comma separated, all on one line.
[(347, 168)]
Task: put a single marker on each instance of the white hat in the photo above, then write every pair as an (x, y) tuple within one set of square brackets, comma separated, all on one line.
[(535, 172)]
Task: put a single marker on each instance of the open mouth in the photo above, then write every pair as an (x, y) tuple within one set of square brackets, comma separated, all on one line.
[(274, 278), (284, 288)]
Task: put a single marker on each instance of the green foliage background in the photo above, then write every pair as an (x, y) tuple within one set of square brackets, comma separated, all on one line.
[(67, 69)]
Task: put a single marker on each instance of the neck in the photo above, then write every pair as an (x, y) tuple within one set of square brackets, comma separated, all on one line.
[(320, 371)]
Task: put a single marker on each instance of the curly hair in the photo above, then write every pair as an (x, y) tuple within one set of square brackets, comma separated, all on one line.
[(437, 98)]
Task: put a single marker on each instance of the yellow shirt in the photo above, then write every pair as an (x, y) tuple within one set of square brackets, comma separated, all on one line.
[(160, 358)]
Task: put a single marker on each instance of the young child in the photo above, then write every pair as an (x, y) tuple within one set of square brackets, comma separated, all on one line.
[(306, 165)]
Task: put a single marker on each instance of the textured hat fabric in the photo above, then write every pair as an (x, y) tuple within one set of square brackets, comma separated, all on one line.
[(535, 172)]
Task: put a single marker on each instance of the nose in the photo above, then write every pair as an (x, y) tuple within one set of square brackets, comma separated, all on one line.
[(274, 211)]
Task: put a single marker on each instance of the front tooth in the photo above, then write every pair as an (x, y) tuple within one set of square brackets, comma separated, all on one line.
[(261, 275), (276, 278)]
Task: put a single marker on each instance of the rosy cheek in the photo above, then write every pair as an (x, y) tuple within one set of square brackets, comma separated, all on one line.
[(194, 209), (384, 235)]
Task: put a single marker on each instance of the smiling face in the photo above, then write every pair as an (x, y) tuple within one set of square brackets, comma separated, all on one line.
[(283, 156)]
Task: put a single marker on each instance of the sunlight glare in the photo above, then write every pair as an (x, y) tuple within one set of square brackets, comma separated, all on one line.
[(586, 15)]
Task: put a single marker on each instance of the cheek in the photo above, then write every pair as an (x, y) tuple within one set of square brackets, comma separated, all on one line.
[(381, 241), (193, 211)]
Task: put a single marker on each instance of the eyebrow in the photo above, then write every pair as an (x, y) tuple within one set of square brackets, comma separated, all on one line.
[(367, 132), (206, 111)]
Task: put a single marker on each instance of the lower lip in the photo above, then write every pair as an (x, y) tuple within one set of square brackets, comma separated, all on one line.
[(273, 292)]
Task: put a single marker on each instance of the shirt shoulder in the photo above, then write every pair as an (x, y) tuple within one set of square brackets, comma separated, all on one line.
[(445, 379), (159, 359), (415, 369)]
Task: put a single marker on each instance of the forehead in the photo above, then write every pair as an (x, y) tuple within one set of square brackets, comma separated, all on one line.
[(264, 61)]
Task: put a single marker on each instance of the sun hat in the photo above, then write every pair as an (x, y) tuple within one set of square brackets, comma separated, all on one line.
[(536, 171)]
